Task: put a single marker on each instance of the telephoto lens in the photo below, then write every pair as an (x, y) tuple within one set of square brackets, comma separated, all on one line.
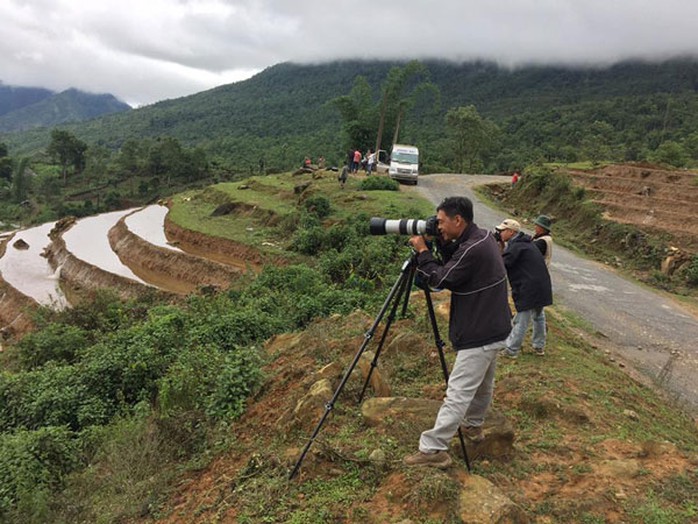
[(404, 226)]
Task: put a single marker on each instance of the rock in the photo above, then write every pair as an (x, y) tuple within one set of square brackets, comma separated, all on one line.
[(312, 405), (632, 415), (20, 244), (380, 385), (404, 342), (481, 502), (621, 468), (331, 372), (378, 457), (243, 186)]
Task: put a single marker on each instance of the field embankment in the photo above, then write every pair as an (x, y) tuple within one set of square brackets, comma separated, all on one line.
[(628, 216), (80, 279), (175, 271)]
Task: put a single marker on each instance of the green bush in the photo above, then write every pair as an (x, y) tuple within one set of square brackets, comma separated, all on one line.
[(379, 183), (692, 272), (32, 465), (318, 206), (55, 342)]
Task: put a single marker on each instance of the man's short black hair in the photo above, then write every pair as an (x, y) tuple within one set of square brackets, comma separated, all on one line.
[(453, 206)]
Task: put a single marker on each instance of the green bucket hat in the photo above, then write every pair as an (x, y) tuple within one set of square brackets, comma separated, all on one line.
[(544, 222)]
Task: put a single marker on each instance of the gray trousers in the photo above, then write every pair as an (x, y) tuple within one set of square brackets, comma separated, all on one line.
[(469, 394)]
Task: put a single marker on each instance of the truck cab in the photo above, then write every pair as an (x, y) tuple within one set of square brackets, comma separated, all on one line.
[(404, 164)]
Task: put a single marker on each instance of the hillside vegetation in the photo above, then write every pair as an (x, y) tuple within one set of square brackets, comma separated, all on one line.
[(189, 411), (630, 111)]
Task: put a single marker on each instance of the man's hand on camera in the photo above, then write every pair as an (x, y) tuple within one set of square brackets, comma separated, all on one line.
[(418, 243)]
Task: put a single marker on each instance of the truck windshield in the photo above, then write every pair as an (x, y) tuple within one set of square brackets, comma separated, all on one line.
[(404, 158)]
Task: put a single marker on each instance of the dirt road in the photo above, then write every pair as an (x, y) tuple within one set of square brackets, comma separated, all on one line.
[(654, 334)]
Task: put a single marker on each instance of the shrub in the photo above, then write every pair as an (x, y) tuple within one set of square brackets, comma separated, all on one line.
[(692, 272), (379, 183), (318, 206), (55, 342), (32, 465)]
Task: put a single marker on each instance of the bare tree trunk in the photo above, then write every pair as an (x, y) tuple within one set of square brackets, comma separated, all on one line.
[(381, 122), (397, 127)]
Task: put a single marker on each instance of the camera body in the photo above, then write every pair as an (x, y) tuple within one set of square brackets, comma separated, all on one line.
[(497, 234), (404, 226)]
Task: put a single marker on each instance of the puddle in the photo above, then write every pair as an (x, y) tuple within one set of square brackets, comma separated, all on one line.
[(29, 272), (88, 241), (149, 224)]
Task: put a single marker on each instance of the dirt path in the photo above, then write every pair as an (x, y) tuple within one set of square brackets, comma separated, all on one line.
[(655, 334)]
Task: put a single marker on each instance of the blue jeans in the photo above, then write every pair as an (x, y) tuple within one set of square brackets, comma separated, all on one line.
[(468, 395), (518, 331)]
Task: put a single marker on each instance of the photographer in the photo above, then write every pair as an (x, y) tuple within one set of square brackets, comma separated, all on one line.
[(479, 323), (530, 284)]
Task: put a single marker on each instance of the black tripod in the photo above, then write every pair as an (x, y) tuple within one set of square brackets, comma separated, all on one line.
[(401, 288)]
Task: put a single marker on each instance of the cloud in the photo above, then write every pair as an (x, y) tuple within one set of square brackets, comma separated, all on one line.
[(148, 50)]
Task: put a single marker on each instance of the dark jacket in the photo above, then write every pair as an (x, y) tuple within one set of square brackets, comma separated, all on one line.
[(528, 274), (475, 274)]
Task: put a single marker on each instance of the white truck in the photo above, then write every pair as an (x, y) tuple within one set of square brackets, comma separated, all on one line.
[(404, 163)]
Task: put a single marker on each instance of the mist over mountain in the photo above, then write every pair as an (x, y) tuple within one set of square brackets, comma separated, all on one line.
[(23, 108)]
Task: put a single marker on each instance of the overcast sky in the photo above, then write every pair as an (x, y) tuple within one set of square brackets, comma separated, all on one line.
[(143, 51)]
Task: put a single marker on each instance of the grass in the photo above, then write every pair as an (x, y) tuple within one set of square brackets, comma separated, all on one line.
[(567, 410), (268, 200)]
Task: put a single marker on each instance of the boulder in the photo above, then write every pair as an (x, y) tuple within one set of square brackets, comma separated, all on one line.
[(481, 502), (378, 383), (21, 245), (311, 407)]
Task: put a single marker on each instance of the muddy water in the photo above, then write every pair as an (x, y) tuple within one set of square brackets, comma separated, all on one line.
[(149, 224), (88, 241), (28, 272)]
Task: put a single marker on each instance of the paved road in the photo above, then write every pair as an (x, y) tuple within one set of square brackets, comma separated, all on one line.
[(654, 334)]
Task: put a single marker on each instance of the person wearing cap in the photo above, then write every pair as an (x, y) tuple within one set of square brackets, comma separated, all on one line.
[(542, 238), (530, 284)]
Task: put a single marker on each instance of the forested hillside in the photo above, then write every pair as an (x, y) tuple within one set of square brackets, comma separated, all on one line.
[(68, 106), (631, 111), (14, 97)]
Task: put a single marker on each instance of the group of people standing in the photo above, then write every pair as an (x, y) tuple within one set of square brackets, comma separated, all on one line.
[(476, 265), (356, 160)]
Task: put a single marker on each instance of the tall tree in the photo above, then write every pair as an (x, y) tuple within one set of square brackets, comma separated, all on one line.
[(471, 135), (398, 93), (5, 163), (67, 150), (20, 181), (358, 112)]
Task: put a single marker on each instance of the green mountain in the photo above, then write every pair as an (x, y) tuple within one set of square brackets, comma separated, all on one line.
[(622, 112), (14, 97), (61, 108)]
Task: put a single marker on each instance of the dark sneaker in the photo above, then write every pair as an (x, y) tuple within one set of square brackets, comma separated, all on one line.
[(539, 351), (440, 459), (473, 433)]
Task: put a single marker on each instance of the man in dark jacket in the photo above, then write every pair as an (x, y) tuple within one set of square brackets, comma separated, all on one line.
[(479, 323), (530, 284)]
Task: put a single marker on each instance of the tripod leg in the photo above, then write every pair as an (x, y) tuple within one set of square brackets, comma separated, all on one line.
[(404, 288), (410, 282), (399, 284), (444, 367)]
